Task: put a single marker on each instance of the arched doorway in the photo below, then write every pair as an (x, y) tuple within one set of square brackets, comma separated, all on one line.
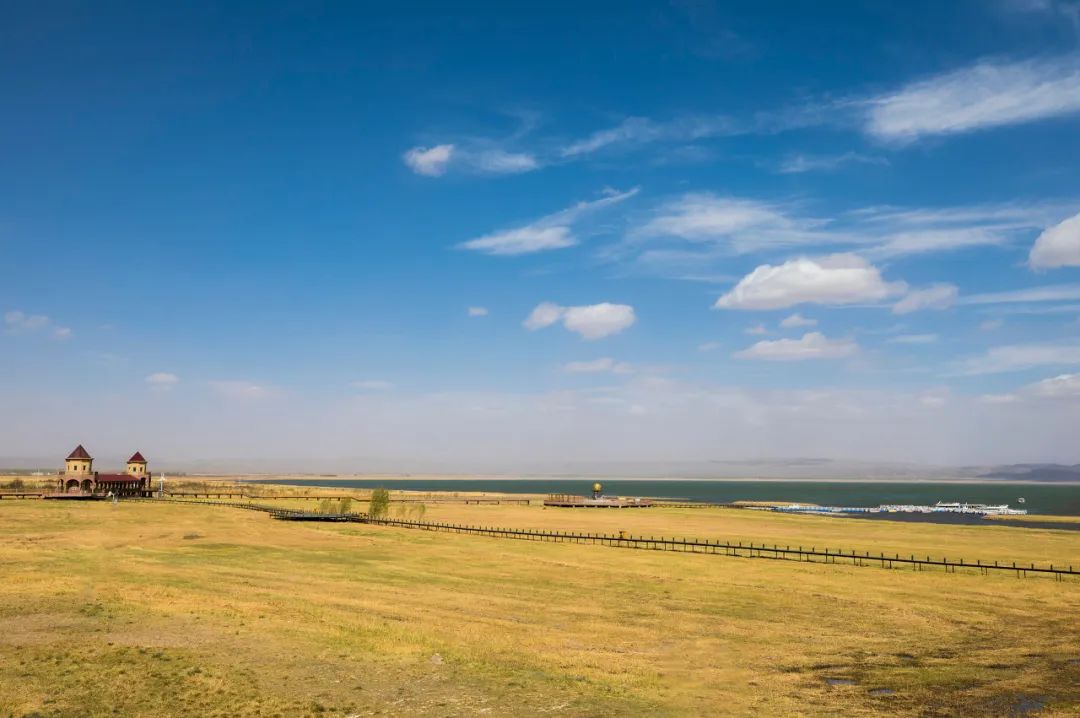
[(87, 486), (72, 486)]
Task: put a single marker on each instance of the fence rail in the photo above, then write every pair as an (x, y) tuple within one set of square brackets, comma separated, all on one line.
[(812, 554), (338, 497)]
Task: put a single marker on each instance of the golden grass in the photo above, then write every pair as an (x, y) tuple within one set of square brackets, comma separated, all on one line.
[(147, 609)]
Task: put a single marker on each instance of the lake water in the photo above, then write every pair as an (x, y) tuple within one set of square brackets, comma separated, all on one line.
[(1040, 498)]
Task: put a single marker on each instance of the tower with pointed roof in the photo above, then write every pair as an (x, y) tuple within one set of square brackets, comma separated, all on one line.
[(79, 462), (78, 480), (136, 466)]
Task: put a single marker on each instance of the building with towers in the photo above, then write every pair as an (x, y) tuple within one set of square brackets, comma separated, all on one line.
[(78, 479)]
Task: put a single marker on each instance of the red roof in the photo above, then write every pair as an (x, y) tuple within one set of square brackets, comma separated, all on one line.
[(79, 453), (117, 478), (136, 458)]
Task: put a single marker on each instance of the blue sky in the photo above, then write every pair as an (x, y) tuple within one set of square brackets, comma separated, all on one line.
[(496, 236)]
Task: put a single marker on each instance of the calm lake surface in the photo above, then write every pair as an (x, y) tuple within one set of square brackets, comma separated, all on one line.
[(1040, 498)]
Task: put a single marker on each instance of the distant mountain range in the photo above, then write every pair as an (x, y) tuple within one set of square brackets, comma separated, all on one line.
[(1033, 472)]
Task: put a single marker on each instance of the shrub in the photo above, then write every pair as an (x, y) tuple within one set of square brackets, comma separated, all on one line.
[(345, 506), (380, 503)]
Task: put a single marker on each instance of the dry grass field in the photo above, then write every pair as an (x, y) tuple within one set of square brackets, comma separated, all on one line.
[(147, 609)]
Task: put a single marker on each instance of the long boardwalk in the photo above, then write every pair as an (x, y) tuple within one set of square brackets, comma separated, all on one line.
[(811, 554)]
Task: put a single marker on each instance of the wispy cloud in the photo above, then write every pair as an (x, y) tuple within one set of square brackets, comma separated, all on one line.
[(477, 311), (1022, 356), (740, 224), (1052, 293), (372, 385), (437, 160), (16, 321), (987, 94), (429, 161), (162, 380), (686, 234), (19, 322), (938, 296), (636, 131), (554, 231), (595, 366), (241, 389), (913, 339), (813, 345), (800, 163)]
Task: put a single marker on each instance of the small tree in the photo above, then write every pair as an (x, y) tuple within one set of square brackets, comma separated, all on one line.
[(380, 503), (324, 506), (17, 484), (346, 505)]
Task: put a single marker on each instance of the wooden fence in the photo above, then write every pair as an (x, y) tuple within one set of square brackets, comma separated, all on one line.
[(811, 554), (338, 497)]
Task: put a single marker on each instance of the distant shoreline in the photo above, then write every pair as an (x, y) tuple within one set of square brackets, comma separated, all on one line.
[(422, 477)]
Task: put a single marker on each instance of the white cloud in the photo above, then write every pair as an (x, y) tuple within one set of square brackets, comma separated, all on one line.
[(990, 325), (372, 385), (436, 161), (553, 231), (1063, 386), (239, 389), (1058, 387), (18, 322), (797, 320), (914, 339), (1053, 293), (938, 240), (478, 311), (522, 240), (709, 346), (742, 225), (502, 162), (1022, 356), (833, 280), (756, 330), (813, 345), (599, 320), (543, 315), (999, 398), (429, 161), (1058, 246), (642, 130), (162, 380), (988, 94), (938, 296), (797, 164), (593, 321), (604, 364)]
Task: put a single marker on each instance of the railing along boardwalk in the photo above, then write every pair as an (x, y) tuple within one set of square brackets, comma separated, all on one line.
[(338, 497), (739, 549)]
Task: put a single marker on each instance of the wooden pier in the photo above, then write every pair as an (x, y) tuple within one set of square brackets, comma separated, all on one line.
[(567, 501)]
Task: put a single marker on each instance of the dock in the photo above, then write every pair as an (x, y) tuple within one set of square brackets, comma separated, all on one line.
[(567, 501)]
